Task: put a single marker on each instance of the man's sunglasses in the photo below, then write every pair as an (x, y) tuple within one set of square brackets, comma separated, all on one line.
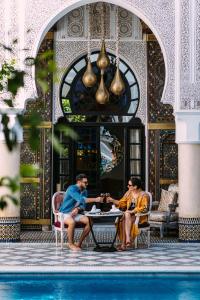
[(130, 184), (86, 182)]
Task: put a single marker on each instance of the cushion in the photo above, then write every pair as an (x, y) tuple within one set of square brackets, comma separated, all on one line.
[(167, 198), (173, 188), (58, 201), (161, 216)]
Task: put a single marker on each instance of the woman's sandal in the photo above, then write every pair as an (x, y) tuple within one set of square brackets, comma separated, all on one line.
[(121, 248), (129, 245)]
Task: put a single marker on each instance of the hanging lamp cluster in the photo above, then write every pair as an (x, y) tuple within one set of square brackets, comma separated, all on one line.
[(89, 78)]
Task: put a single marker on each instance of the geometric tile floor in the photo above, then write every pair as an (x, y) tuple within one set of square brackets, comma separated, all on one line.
[(46, 257), (102, 233), (37, 253)]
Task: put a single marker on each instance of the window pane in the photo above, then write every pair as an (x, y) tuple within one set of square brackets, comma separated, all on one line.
[(66, 105), (135, 136), (135, 167), (135, 151), (122, 67), (65, 152), (130, 78), (64, 182), (65, 89), (80, 65), (64, 167), (134, 92), (70, 76), (133, 107), (94, 57)]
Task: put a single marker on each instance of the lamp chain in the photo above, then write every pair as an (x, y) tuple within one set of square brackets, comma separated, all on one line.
[(117, 36), (89, 30)]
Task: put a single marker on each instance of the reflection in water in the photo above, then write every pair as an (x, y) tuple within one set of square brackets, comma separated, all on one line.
[(111, 151)]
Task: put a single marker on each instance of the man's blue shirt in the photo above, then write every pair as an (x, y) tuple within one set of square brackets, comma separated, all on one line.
[(74, 197)]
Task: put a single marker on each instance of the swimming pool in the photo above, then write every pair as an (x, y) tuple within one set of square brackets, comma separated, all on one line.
[(99, 286)]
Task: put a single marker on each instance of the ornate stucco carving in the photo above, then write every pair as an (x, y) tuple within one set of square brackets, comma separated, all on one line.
[(133, 52), (189, 42), (40, 15)]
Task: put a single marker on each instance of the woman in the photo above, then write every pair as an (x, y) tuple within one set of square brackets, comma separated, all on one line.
[(134, 201)]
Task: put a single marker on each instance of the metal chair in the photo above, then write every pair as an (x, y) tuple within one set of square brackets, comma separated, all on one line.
[(145, 229), (59, 225)]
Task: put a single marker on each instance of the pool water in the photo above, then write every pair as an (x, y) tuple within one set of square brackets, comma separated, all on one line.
[(99, 286)]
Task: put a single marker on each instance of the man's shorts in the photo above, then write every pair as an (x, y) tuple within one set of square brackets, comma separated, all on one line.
[(66, 216)]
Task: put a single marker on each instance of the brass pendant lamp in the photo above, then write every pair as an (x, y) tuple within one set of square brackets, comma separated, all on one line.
[(103, 60), (89, 77), (102, 94), (117, 86)]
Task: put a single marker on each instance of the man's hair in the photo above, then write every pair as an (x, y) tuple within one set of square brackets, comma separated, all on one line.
[(80, 177)]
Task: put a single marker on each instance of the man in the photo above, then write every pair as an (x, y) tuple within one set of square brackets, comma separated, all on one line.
[(74, 202)]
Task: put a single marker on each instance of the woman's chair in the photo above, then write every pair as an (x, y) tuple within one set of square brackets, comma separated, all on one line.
[(59, 225), (146, 228)]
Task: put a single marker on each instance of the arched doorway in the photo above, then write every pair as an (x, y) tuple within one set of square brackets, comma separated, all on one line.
[(143, 57)]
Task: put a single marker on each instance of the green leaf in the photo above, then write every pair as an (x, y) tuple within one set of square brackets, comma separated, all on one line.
[(9, 102), (56, 144), (11, 183), (29, 170), (67, 131), (16, 81)]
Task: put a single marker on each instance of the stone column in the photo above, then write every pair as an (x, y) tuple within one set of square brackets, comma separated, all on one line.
[(187, 115), (188, 139), (10, 164)]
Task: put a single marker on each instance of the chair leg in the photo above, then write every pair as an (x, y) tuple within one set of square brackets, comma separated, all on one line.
[(61, 237), (161, 231), (148, 238), (56, 233), (136, 242)]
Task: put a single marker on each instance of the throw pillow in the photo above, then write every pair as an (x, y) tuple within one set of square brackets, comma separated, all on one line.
[(174, 188), (167, 198)]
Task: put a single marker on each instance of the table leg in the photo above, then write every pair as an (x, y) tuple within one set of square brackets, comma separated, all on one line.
[(99, 248), (93, 236)]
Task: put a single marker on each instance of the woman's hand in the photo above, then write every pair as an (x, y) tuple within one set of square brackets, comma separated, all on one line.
[(109, 200)]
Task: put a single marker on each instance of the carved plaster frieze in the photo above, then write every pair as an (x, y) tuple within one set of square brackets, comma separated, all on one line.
[(134, 53), (190, 55), (158, 14)]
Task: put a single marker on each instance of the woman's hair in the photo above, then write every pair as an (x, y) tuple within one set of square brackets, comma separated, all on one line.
[(136, 181)]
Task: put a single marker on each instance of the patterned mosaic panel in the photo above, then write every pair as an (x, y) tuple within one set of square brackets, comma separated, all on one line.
[(9, 229), (157, 111), (75, 23), (43, 104), (152, 170), (168, 155), (96, 26), (162, 145), (189, 229), (36, 200), (161, 142)]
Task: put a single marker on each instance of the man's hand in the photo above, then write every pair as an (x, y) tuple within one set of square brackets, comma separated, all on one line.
[(74, 212), (99, 199)]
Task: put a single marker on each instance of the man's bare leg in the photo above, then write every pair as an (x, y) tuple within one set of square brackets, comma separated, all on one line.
[(85, 232), (70, 232)]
